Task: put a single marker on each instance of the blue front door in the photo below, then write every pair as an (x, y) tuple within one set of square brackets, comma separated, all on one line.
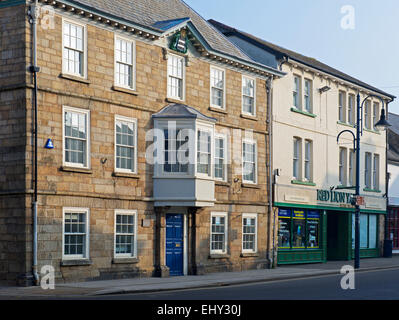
[(174, 244)]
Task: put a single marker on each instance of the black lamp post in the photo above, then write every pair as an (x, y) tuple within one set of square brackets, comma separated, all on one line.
[(382, 124)]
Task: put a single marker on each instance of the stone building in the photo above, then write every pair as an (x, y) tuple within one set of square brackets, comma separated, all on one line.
[(314, 176), (109, 73)]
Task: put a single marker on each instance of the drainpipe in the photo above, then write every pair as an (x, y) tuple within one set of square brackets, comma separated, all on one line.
[(34, 15), (269, 88), (386, 226)]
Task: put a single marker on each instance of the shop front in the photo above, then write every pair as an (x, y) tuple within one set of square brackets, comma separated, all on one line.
[(318, 225)]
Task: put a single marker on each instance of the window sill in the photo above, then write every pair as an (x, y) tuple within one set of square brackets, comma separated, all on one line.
[(125, 260), (249, 117), (372, 131), (219, 256), (371, 190), (72, 263), (77, 170), (346, 124), (308, 114), (249, 255), (250, 186), (222, 183), (126, 175), (125, 90), (220, 110), (74, 78), (172, 100), (303, 183)]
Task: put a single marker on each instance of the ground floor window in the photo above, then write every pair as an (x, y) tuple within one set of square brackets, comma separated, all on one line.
[(299, 229), (75, 233), (125, 233), (368, 231), (393, 226), (249, 232), (218, 232)]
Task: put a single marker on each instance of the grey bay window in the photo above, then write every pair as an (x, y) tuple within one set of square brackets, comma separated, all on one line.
[(125, 144), (175, 153), (204, 152), (76, 137)]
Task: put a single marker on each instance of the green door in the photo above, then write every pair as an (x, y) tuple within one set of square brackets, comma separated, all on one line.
[(338, 235)]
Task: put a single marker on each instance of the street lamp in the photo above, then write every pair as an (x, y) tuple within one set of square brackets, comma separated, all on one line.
[(380, 125)]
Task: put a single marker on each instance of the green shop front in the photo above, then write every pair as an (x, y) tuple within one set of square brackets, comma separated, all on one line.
[(318, 226)]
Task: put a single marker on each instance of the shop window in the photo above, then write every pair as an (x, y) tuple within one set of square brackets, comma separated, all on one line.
[(368, 231), (299, 229)]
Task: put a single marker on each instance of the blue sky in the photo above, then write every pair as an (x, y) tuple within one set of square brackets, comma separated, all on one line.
[(369, 52)]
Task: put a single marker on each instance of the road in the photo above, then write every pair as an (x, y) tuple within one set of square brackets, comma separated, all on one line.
[(368, 286)]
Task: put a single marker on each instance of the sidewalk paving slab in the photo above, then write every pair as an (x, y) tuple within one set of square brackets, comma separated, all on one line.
[(146, 285)]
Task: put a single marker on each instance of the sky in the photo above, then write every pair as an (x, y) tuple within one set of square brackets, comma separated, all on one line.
[(369, 51)]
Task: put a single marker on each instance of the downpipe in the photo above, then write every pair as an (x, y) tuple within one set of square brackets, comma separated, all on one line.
[(34, 16)]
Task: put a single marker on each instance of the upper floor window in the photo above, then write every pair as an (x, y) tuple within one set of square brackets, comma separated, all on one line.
[(367, 115), (125, 144), (220, 157), (297, 158), (74, 49), (76, 137), (248, 95), (249, 156), (342, 166), (308, 95), (176, 74), (296, 92), (124, 63), (175, 155), (352, 167), (367, 170), (217, 88), (376, 114), (308, 160), (341, 106), (376, 172), (204, 153), (351, 109)]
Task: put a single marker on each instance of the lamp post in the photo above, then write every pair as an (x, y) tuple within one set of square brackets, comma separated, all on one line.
[(382, 124)]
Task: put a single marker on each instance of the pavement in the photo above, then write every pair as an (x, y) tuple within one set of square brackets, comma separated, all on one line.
[(146, 285)]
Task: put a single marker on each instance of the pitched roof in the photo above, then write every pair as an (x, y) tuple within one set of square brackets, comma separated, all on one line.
[(176, 110), (156, 14), (280, 51)]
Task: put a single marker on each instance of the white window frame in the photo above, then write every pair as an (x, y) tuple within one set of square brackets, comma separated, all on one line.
[(342, 106), (86, 255), (87, 113), (297, 159), (250, 216), (376, 114), (351, 109), (225, 215), (253, 142), (309, 161), (242, 96), (225, 155), (130, 120), (352, 167), (133, 79), (308, 95), (343, 155), (368, 167), (126, 213), (223, 106), (376, 173), (297, 91), (367, 115), (183, 89), (209, 130), (84, 60)]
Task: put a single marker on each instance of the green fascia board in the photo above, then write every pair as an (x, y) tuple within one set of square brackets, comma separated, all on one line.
[(11, 3), (303, 183), (305, 206), (303, 112)]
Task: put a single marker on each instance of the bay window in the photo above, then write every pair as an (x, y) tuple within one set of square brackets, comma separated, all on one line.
[(204, 153)]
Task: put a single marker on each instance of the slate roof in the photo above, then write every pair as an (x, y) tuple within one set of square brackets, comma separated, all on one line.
[(280, 51), (393, 137), (176, 110), (153, 13)]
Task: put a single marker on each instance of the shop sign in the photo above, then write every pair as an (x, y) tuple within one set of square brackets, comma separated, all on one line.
[(334, 196)]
